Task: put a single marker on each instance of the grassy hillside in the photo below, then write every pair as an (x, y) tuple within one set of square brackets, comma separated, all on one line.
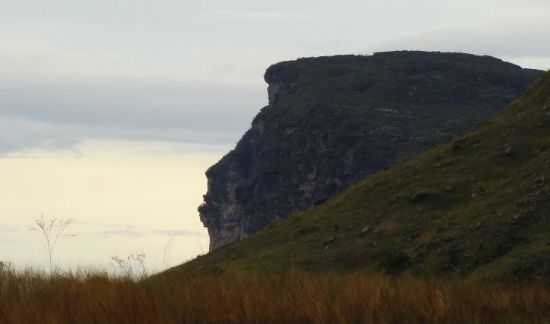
[(477, 207)]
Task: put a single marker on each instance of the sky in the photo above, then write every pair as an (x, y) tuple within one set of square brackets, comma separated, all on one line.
[(111, 111)]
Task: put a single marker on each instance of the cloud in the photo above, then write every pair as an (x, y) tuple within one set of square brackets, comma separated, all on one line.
[(515, 40), (80, 228), (192, 71), (177, 233), (132, 232), (7, 228), (61, 114)]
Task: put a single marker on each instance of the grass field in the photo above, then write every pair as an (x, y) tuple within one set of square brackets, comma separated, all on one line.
[(88, 297)]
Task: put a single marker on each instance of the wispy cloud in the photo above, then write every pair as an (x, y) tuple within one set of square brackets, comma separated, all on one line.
[(6, 228), (60, 115), (514, 40), (80, 228)]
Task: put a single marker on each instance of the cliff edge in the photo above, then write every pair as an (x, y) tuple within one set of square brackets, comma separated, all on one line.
[(331, 121)]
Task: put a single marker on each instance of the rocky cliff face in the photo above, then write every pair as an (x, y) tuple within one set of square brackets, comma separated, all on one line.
[(334, 120)]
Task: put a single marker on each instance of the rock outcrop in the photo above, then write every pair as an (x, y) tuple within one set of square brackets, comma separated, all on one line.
[(334, 120)]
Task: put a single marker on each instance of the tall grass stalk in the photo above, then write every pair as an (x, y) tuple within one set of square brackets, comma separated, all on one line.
[(87, 297), (51, 230)]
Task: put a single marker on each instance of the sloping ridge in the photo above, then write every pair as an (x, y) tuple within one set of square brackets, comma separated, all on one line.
[(476, 207), (331, 121)]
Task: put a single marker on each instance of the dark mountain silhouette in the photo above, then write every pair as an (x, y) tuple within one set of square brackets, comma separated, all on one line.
[(331, 121)]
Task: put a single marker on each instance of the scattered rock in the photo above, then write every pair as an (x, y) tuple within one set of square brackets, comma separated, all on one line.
[(478, 190), (446, 163), (396, 199), (364, 231), (522, 216), (320, 201), (329, 241), (458, 145), (516, 219), (449, 188), (419, 196), (307, 230), (539, 182), (411, 237), (476, 226), (508, 150)]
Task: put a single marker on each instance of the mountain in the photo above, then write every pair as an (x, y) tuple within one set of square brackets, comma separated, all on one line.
[(331, 121), (476, 207)]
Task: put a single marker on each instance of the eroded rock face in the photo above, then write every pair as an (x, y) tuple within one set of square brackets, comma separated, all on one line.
[(334, 120)]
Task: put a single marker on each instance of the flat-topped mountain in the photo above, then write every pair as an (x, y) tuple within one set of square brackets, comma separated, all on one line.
[(477, 207), (331, 121)]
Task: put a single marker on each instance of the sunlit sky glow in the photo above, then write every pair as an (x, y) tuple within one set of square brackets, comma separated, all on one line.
[(111, 111), (122, 198)]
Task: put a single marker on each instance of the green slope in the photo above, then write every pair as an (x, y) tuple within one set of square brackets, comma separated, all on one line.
[(477, 207)]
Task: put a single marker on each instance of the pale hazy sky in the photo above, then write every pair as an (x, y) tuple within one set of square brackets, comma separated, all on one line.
[(110, 111), (123, 198)]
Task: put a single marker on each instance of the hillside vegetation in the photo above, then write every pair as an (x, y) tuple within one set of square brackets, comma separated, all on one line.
[(477, 207)]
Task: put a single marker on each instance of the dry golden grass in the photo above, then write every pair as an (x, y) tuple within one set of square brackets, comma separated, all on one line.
[(84, 298)]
